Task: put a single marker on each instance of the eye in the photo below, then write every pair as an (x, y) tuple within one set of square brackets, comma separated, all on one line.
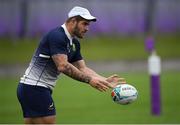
[(86, 23)]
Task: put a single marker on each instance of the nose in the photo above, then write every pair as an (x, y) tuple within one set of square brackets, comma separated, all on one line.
[(87, 28)]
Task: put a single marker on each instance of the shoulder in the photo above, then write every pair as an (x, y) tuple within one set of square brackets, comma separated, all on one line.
[(57, 34)]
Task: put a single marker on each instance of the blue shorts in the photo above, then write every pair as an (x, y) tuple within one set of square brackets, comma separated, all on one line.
[(35, 101)]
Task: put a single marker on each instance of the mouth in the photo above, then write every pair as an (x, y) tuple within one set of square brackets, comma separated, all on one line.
[(83, 33)]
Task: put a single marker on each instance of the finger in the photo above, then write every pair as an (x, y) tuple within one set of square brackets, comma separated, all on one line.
[(115, 84), (103, 86), (121, 80), (107, 84), (100, 88), (114, 75), (117, 80)]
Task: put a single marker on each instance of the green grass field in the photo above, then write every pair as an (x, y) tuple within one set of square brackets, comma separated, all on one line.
[(96, 48), (78, 103)]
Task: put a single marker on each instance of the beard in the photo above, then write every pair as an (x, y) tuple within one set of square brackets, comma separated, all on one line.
[(77, 32)]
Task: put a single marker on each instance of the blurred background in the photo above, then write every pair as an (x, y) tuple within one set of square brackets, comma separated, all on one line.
[(114, 44)]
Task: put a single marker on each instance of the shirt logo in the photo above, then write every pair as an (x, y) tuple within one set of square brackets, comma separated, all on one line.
[(73, 47)]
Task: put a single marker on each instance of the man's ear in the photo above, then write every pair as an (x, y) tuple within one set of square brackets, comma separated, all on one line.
[(73, 20)]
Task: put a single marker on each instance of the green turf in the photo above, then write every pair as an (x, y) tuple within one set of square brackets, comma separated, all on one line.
[(95, 48), (79, 103), (17, 52)]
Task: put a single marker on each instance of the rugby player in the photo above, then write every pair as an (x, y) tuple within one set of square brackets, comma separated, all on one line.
[(58, 52)]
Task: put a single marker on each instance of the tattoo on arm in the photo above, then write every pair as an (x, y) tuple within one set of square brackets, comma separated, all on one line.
[(86, 70), (75, 73), (70, 70)]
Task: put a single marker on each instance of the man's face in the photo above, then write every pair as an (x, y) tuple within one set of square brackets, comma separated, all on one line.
[(80, 28)]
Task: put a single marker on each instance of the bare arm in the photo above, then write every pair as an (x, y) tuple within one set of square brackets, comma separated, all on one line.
[(68, 69), (82, 67), (64, 66)]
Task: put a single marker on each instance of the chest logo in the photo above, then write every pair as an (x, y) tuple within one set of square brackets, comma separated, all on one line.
[(73, 47)]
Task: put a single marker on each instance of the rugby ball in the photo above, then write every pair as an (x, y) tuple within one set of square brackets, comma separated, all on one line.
[(124, 94)]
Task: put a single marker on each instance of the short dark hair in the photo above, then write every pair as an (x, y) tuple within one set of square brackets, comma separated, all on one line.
[(77, 18)]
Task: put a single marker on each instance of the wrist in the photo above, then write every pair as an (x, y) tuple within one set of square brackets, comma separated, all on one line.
[(108, 80), (88, 79)]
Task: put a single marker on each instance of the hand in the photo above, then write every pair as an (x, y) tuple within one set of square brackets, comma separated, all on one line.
[(116, 79), (100, 84)]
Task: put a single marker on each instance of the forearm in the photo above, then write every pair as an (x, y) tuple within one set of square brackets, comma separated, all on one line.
[(71, 71), (68, 69), (91, 72)]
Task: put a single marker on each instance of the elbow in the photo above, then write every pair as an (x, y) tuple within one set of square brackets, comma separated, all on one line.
[(62, 67)]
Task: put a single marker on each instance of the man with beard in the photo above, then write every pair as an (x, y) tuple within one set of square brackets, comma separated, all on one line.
[(58, 52)]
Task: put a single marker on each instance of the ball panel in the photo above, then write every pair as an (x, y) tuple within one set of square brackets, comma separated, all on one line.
[(124, 94)]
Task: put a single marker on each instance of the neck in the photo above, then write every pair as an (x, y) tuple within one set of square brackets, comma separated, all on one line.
[(70, 29)]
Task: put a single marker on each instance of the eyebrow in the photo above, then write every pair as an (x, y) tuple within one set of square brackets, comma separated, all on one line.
[(87, 23)]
